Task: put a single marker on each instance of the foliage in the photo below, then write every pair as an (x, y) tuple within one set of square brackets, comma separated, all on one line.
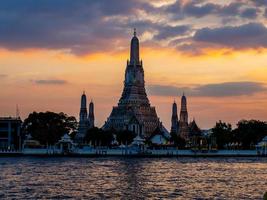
[(250, 132), (125, 137), (48, 127), (178, 140), (223, 133), (98, 137)]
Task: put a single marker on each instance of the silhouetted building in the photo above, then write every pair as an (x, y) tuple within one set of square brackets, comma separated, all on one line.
[(194, 130), (182, 127), (134, 112), (10, 133), (183, 123), (174, 121), (91, 115), (87, 120), (83, 121)]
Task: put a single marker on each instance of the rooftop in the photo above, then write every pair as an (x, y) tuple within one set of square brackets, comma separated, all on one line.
[(10, 118)]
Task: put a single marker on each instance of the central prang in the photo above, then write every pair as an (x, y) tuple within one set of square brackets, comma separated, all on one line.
[(134, 112)]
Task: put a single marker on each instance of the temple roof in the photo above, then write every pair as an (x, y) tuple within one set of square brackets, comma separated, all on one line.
[(194, 129)]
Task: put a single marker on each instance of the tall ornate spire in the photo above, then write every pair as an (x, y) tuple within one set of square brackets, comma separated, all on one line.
[(134, 83), (134, 54), (83, 122), (134, 112), (91, 115), (183, 123), (174, 109), (83, 109), (183, 113), (174, 126)]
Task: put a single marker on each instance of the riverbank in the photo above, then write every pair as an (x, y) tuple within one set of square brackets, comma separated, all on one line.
[(134, 153)]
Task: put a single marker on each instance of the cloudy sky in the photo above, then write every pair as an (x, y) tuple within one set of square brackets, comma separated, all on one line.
[(214, 51)]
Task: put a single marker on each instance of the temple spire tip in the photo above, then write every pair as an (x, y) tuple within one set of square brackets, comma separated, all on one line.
[(134, 32)]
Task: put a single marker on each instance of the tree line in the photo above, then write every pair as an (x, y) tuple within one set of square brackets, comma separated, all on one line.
[(49, 127), (246, 134)]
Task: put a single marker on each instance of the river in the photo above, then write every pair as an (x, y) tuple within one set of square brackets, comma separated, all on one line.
[(132, 178)]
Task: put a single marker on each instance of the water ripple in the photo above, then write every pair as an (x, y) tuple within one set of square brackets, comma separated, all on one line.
[(130, 178)]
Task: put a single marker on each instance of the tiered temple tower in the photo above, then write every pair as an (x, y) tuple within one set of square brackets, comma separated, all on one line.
[(134, 112), (175, 123), (183, 123), (91, 115), (83, 122)]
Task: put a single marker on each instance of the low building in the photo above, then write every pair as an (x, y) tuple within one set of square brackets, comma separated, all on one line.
[(160, 137), (30, 143), (10, 133), (65, 144), (262, 147)]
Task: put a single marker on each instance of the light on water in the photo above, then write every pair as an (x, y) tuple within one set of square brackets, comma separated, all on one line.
[(122, 178)]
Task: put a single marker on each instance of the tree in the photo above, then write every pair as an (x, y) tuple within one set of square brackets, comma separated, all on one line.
[(178, 140), (223, 133), (98, 137), (250, 132), (125, 137), (49, 127)]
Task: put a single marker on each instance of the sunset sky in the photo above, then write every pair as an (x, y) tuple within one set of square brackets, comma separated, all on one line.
[(214, 51)]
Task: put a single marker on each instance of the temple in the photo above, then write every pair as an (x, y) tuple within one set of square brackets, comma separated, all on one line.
[(134, 112), (183, 122), (182, 127), (86, 120), (174, 119)]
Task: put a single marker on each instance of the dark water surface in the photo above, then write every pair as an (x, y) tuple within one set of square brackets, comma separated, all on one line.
[(132, 178)]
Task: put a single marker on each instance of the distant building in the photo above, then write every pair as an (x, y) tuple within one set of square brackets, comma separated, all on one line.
[(174, 121), (10, 133), (159, 137), (194, 130), (86, 120), (183, 122), (181, 127), (134, 111), (91, 115)]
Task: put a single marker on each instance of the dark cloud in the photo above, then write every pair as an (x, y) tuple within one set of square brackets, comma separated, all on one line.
[(82, 27), (176, 7), (166, 90), (252, 35), (169, 31), (231, 9), (202, 9), (227, 89), (259, 2), (265, 13), (250, 13), (199, 11), (230, 89), (50, 82)]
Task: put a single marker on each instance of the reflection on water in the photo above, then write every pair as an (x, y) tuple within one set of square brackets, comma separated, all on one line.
[(132, 178)]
